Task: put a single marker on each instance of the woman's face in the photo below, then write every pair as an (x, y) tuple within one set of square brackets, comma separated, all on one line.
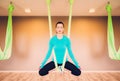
[(59, 29)]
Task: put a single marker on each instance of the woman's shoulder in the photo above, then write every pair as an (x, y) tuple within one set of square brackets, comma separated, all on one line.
[(66, 38), (53, 38)]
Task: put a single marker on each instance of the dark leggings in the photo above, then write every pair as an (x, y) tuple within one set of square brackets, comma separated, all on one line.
[(68, 65)]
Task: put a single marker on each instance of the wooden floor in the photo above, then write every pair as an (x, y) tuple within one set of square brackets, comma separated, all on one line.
[(56, 76)]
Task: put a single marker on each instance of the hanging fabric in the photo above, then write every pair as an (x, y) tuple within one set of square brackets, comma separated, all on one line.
[(69, 29), (50, 29), (113, 54), (6, 53)]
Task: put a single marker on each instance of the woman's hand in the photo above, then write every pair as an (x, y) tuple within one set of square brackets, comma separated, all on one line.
[(78, 67), (40, 67)]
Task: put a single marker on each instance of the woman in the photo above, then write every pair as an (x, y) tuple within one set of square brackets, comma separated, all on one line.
[(60, 42)]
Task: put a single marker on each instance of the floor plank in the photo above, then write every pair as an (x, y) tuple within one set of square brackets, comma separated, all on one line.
[(57, 76)]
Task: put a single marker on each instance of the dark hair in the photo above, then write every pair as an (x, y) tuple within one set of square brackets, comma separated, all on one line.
[(59, 23)]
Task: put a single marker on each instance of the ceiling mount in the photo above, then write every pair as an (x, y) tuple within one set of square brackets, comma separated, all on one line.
[(108, 2), (11, 2)]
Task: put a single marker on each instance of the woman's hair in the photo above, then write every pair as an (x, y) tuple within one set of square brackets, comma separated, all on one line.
[(59, 22)]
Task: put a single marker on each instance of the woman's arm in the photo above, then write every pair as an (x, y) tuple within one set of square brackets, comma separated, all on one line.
[(71, 53), (48, 54)]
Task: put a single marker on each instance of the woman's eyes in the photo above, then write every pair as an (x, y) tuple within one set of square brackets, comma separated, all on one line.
[(60, 27)]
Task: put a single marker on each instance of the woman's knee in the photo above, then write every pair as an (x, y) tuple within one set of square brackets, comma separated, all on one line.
[(76, 72), (42, 72)]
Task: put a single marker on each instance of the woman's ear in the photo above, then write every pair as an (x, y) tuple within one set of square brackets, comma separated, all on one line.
[(63, 30)]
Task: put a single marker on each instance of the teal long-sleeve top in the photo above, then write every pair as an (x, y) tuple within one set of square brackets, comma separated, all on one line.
[(59, 46)]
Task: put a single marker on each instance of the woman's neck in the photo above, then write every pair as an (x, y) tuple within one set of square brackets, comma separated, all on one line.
[(59, 36)]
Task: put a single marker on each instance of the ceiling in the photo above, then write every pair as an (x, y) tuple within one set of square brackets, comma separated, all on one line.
[(60, 7)]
